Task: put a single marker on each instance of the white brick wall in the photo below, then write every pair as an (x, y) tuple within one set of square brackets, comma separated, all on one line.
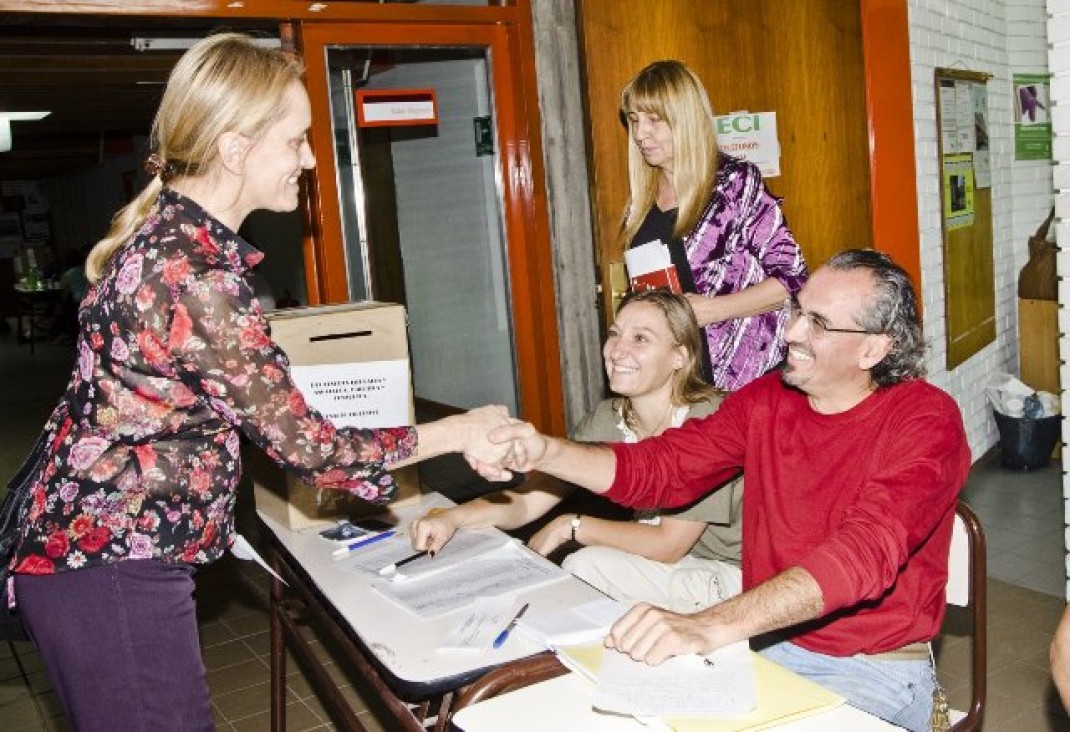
[(999, 37), (1059, 60)]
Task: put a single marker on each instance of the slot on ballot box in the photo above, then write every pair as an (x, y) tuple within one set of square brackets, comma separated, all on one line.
[(351, 362)]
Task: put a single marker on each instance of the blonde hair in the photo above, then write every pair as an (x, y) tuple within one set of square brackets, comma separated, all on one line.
[(673, 92), (688, 385), (224, 83)]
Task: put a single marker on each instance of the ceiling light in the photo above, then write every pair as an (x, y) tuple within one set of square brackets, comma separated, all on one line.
[(181, 44), (6, 118)]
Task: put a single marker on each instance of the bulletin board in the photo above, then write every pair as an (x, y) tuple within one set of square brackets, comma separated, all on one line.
[(965, 211)]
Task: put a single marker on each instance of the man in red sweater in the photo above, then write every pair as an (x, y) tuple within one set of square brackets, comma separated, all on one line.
[(853, 465)]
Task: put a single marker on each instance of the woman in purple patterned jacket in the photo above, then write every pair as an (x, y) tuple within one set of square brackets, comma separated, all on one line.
[(133, 481), (727, 236)]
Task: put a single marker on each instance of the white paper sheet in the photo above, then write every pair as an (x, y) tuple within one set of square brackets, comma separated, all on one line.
[(480, 626), (465, 545), (574, 626), (692, 687), (242, 549), (649, 257)]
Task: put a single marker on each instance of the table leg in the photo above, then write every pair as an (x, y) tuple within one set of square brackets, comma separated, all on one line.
[(278, 655)]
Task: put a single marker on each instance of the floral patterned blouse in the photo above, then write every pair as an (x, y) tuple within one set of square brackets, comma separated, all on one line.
[(175, 357)]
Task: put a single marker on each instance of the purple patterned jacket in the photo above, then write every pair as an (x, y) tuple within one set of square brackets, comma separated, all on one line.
[(740, 240), (174, 358)]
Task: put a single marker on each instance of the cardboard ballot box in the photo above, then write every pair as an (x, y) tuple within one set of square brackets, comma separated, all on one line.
[(351, 362)]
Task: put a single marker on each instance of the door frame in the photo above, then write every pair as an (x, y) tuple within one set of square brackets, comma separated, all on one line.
[(524, 220)]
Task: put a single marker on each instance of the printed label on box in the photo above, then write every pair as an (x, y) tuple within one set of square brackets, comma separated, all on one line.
[(369, 395)]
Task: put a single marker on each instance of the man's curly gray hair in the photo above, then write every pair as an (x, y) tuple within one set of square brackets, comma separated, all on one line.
[(893, 311)]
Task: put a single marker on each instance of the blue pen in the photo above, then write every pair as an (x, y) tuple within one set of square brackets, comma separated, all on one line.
[(504, 635), (363, 542)]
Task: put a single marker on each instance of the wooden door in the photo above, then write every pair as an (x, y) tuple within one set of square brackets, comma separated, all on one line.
[(803, 60)]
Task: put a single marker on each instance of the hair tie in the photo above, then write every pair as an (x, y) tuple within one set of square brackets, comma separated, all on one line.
[(154, 165)]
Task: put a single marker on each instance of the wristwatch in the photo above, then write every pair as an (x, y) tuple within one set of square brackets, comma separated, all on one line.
[(576, 521)]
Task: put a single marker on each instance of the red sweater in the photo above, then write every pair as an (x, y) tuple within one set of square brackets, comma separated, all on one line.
[(863, 500)]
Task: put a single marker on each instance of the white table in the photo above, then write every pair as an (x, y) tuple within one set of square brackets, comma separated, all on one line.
[(393, 649), (563, 704)]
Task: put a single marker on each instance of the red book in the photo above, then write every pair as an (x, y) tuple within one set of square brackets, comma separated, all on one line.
[(650, 267)]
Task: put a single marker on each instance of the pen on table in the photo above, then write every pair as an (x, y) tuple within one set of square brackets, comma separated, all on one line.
[(363, 542), (391, 568), (500, 640)]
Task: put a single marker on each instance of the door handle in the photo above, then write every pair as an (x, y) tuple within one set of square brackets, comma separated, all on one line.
[(618, 283)]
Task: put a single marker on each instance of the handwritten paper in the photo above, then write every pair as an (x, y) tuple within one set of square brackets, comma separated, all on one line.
[(718, 685), (477, 628)]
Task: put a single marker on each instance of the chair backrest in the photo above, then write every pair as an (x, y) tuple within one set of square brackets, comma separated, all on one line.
[(966, 587)]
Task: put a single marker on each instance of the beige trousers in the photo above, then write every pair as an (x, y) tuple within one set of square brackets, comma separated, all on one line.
[(685, 586)]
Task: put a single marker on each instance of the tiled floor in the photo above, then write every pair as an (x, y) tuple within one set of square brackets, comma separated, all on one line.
[(1022, 514)]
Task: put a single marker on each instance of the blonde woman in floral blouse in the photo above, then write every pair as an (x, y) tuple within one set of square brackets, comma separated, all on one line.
[(134, 479)]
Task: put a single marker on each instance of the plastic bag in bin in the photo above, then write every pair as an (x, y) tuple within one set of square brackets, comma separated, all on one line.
[(1012, 397)]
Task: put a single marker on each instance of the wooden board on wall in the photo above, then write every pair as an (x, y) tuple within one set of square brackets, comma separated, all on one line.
[(801, 60), (969, 270), (969, 284)]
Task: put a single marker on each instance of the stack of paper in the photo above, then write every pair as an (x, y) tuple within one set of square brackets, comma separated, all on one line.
[(707, 687), (500, 571), (781, 695)]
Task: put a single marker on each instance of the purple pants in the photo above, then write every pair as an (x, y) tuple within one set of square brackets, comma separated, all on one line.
[(120, 644)]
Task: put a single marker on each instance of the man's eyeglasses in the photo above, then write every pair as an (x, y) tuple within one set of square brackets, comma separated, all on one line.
[(818, 325)]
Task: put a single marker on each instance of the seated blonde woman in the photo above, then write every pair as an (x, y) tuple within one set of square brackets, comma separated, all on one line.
[(681, 561)]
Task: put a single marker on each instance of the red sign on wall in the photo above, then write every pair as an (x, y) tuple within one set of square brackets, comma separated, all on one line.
[(396, 107)]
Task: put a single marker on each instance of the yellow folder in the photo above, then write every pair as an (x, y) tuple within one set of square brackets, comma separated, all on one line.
[(782, 694)]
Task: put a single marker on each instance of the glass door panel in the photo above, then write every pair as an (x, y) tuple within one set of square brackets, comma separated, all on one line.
[(421, 215)]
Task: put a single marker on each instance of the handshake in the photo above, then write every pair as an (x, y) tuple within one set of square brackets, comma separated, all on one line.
[(495, 444)]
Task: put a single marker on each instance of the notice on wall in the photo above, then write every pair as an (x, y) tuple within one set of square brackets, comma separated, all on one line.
[(963, 106), (1032, 124), (750, 137), (369, 395), (958, 182), (982, 160), (949, 116)]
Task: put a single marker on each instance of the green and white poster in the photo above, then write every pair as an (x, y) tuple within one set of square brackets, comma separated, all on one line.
[(1032, 124)]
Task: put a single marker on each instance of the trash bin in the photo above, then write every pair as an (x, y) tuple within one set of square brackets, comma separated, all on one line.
[(1024, 443)]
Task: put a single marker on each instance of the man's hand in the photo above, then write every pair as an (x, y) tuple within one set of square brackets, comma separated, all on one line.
[(652, 634)]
